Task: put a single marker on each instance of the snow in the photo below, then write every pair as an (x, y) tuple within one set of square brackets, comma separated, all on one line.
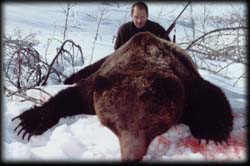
[(82, 137)]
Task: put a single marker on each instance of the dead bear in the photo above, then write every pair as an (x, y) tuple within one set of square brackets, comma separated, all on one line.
[(139, 92)]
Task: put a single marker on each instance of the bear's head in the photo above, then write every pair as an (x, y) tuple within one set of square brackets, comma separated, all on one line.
[(137, 107)]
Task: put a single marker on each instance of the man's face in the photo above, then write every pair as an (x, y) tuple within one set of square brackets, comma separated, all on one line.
[(139, 17)]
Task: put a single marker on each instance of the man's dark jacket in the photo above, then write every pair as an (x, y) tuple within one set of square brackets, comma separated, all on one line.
[(127, 30)]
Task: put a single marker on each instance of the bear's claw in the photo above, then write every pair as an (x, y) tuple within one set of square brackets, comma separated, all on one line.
[(34, 122), (215, 141)]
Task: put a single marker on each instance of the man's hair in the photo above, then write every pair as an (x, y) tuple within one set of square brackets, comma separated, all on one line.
[(140, 5)]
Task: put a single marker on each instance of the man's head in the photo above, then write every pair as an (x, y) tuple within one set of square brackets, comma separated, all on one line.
[(139, 14)]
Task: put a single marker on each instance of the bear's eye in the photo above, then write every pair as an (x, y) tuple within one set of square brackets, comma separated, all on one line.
[(101, 83), (105, 83), (166, 87)]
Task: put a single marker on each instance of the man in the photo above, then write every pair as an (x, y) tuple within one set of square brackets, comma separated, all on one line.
[(139, 23)]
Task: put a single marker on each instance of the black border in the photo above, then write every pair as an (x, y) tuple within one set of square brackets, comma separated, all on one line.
[(117, 162)]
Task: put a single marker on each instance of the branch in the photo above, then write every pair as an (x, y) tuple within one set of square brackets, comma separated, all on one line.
[(242, 75), (22, 95), (213, 31), (224, 67), (57, 55)]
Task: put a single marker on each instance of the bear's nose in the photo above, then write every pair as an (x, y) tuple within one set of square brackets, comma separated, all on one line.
[(133, 146)]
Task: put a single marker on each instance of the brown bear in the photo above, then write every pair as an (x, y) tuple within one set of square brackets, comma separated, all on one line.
[(139, 92)]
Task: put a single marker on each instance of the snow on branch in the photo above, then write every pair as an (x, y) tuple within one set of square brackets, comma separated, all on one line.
[(25, 68), (62, 51), (214, 31)]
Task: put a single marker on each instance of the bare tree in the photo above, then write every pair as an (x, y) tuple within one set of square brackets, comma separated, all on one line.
[(25, 68), (64, 52), (99, 16), (121, 21), (21, 60), (67, 11), (217, 38)]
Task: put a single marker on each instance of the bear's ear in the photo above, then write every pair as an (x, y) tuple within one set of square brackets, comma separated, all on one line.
[(101, 83)]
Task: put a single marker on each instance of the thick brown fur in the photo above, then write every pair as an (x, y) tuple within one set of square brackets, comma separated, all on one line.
[(137, 108), (140, 91)]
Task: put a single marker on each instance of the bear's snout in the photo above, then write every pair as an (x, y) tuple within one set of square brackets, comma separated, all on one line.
[(133, 146)]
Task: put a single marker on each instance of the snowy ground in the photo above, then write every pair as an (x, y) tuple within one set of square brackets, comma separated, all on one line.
[(82, 137)]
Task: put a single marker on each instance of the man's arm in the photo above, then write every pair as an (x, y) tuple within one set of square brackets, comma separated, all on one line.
[(166, 37), (162, 32), (165, 34), (118, 41)]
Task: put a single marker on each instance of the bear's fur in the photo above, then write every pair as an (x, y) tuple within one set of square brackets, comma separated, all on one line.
[(139, 91)]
